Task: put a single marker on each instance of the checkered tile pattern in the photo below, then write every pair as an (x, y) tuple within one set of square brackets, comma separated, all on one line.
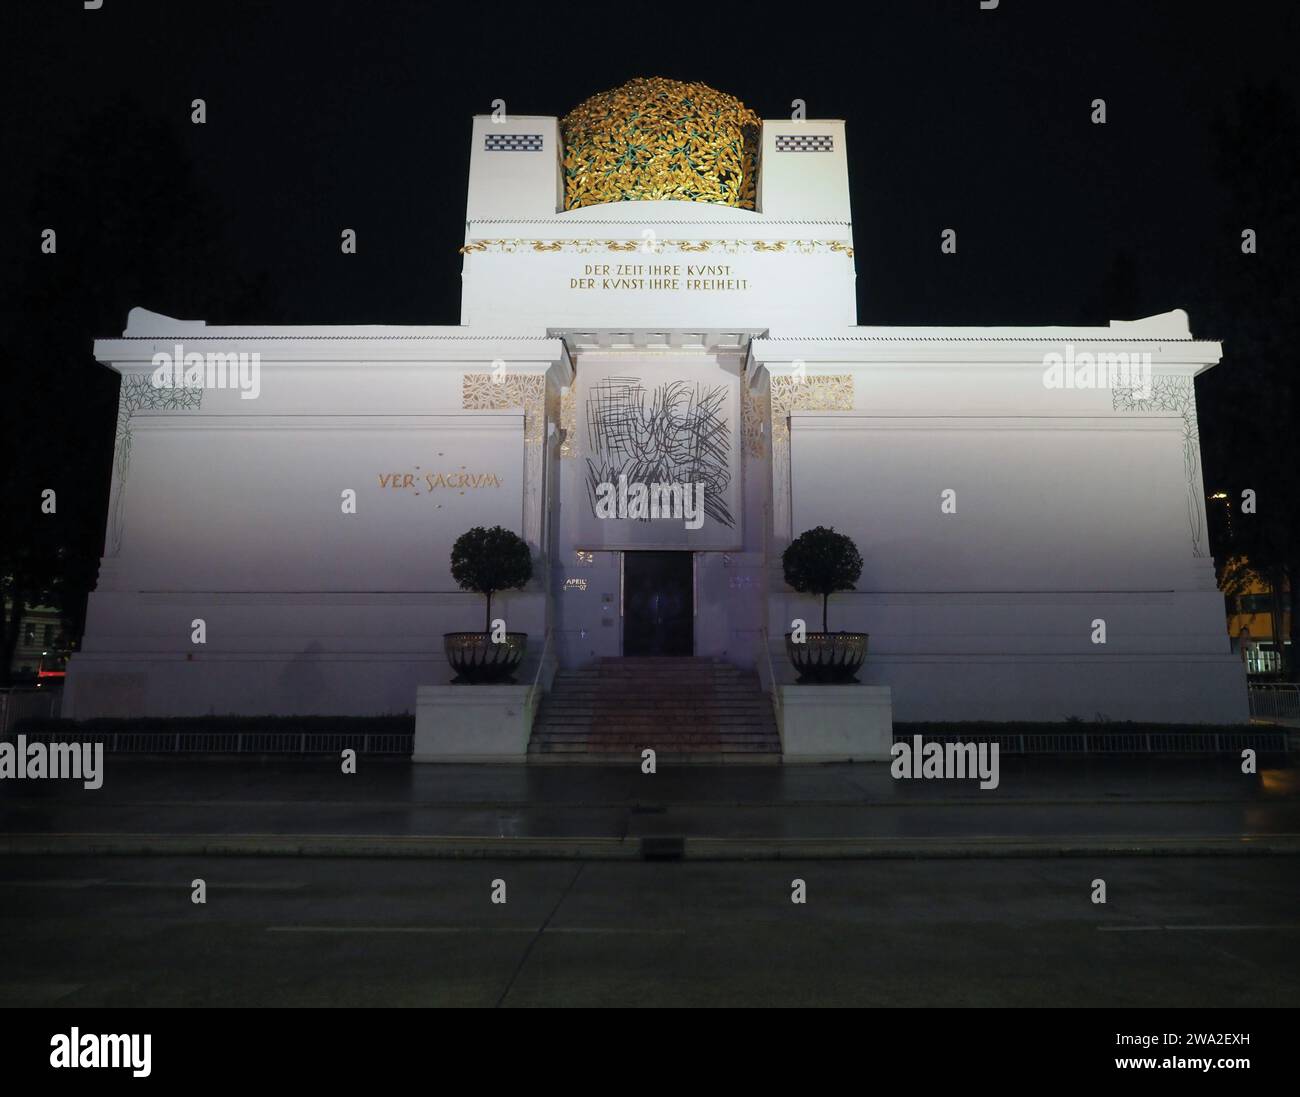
[(512, 142), (815, 142)]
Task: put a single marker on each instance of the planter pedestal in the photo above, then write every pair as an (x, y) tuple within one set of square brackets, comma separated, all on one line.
[(845, 723), (472, 723)]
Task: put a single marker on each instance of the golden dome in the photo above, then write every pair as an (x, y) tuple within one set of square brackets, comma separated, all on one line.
[(655, 139)]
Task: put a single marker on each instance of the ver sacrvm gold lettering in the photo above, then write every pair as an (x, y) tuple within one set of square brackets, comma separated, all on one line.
[(431, 481)]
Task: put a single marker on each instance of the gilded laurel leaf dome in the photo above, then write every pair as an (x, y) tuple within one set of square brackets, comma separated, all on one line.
[(654, 139)]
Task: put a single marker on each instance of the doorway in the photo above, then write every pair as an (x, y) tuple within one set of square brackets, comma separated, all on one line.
[(658, 603)]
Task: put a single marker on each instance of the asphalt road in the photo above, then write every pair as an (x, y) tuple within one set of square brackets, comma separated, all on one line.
[(1208, 931)]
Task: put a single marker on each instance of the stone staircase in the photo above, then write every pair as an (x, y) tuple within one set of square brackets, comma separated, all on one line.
[(694, 709)]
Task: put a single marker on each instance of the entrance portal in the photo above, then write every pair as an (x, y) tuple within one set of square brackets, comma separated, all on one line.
[(658, 603)]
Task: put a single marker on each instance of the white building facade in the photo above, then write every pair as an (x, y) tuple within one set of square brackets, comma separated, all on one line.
[(1031, 520)]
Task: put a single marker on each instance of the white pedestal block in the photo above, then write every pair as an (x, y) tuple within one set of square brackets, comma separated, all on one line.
[(466, 723), (849, 723)]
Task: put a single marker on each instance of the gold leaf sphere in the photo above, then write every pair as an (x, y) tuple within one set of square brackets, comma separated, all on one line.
[(655, 139)]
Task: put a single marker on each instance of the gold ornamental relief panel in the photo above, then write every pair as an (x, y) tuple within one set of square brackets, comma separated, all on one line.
[(484, 392), (755, 410), (569, 422), (828, 392)]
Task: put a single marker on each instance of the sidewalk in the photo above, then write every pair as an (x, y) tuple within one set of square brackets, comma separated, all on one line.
[(307, 807)]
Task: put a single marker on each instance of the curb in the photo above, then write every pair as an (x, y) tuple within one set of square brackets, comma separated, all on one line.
[(439, 847)]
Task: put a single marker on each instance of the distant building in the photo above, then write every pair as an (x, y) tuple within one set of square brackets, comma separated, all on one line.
[(1251, 626), (40, 635)]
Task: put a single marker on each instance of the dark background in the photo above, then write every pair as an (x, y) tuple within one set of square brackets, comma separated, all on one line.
[(332, 114)]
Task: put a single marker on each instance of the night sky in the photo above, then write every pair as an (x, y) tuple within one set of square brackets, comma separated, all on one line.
[(326, 115), (334, 114)]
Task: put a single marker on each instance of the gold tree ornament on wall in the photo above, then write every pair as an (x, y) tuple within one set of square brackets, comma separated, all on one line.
[(654, 139)]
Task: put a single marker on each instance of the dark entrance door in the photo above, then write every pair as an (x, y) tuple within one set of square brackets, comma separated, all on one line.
[(658, 603)]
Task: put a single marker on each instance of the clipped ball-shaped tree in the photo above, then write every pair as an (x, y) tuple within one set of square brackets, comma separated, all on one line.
[(490, 560), (821, 561)]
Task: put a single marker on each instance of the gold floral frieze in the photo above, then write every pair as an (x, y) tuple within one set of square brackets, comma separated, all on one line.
[(656, 247), (825, 392), (755, 410), (655, 139), (568, 423), (488, 392)]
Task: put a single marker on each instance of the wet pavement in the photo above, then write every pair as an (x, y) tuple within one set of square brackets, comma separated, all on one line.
[(361, 927), (1039, 799)]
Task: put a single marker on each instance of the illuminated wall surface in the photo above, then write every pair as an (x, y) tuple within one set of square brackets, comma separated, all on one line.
[(671, 294)]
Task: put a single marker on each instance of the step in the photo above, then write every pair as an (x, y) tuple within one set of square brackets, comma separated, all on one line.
[(650, 704), (632, 736), (684, 715), (646, 731), (677, 704), (661, 758), (684, 748), (623, 733), (693, 709), (638, 696), (588, 734), (649, 738)]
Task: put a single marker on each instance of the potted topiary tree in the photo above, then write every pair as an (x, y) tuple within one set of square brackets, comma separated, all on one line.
[(821, 561), (487, 561)]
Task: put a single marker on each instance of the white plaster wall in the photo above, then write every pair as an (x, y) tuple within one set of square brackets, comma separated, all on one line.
[(231, 512), (1069, 503), (599, 286), (588, 613), (514, 183), (274, 654), (1069, 509), (806, 185), (254, 503)]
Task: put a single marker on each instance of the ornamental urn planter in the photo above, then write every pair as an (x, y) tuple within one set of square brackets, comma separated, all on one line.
[(476, 659), (827, 657)]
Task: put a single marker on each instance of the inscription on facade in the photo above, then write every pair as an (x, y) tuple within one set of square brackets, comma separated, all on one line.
[(417, 481), (677, 277)]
